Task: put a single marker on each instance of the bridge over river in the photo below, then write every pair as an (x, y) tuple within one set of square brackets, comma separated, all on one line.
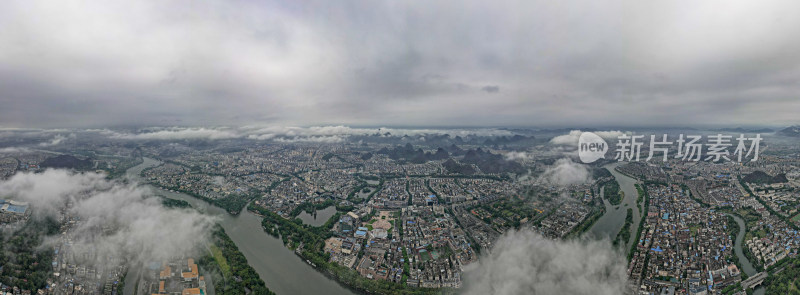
[(754, 280)]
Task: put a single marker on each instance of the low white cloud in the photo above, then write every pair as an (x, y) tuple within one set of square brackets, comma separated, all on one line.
[(524, 262), (58, 139), (271, 132), (517, 156), (316, 139), (275, 131), (452, 132), (321, 134), (117, 220), (179, 133), (565, 172), (14, 150)]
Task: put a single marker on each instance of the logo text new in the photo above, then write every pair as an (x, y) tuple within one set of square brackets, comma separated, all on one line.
[(593, 147)]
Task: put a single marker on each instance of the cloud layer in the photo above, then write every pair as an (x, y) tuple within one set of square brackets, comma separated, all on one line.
[(517, 156), (14, 150), (565, 172), (323, 134), (117, 220), (524, 262), (144, 63), (178, 133), (58, 139)]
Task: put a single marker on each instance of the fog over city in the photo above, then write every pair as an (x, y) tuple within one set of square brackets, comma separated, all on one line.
[(115, 220), (524, 262)]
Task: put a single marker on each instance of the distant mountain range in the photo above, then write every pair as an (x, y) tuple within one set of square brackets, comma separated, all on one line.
[(792, 131), (745, 130)]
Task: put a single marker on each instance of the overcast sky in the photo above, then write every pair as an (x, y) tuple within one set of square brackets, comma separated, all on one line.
[(404, 63)]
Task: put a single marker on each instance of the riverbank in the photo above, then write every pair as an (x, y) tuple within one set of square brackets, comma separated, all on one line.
[(236, 275), (307, 242), (643, 197), (743, 260), (279, 267), (608, 226)]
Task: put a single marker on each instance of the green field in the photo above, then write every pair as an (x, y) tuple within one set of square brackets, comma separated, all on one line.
[(220, 259)]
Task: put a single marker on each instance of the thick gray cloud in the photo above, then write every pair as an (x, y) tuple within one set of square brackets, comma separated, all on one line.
[(94, 63), (491, 89)]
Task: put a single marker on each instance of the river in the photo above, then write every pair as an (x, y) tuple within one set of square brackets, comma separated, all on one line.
[(282, 270), (612, 221), (747, 267)]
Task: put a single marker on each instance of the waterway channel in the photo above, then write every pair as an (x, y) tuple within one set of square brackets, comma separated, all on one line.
[(282, 270), (614, 218), (747, 267)]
